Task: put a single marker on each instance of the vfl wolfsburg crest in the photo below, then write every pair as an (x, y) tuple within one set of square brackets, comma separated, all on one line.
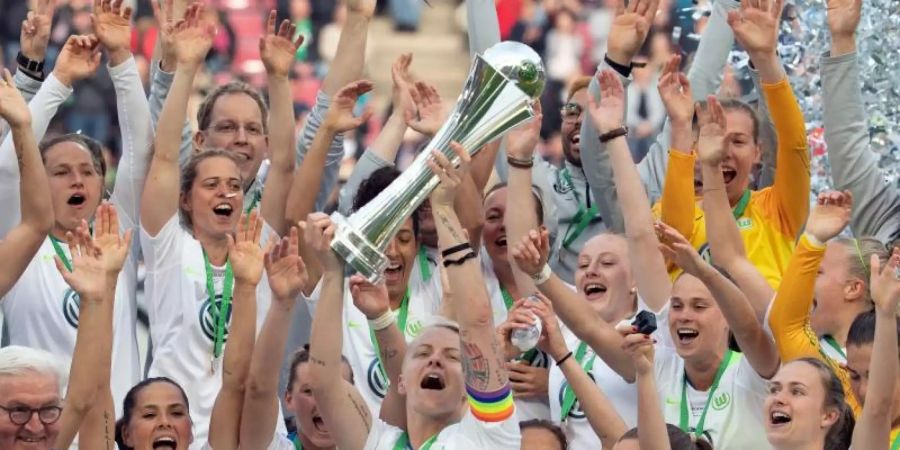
[(375, 378), (705, 253), (209, 316), (413, 328), (71, 305), (721, 401), (576, 412)]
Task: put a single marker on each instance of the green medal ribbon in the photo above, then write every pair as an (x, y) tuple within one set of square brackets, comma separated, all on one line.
[(57, 247), (296, 440), (582, 218), (403, 442), (741, 206), (833, 344), (684, 422), (401, 323), (225, 307), (424, 267), (895, 445), (568, 393)]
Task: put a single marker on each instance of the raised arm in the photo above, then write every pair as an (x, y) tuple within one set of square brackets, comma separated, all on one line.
[(520, 202), (246, 260), (600, 412), (677, 203), (531, 256), (159, 202), (287, 274), (19, 246), (854, 166), (112, 25), (652, 433), (484, 28), (374, 303), (33, 39), (78, 59), (874, 427), (300, 201), (756, 345), (756, 29), (96, 264), (277, 52), (340, 403), (649, 268), (725, 240), (627, 34), (789, 314)]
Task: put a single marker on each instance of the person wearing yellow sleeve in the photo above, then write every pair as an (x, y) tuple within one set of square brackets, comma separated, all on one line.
[(789, 315), (769, 219)]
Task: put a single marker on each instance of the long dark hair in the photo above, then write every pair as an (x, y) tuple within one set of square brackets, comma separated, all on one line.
[(129, 404), (678, 439)]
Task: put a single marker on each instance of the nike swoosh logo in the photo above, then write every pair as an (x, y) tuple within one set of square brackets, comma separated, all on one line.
[(672, 401), (353, 324)]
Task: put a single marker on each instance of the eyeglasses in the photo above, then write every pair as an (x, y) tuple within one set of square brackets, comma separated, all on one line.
[(229, 128), (571, 111), (20, 415)]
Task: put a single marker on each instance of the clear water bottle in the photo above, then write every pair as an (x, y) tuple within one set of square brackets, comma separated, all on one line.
[(526, 339)]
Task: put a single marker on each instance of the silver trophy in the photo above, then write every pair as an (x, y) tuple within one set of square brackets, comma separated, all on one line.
[(498, 96)]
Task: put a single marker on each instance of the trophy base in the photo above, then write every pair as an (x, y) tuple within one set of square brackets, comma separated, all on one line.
[(357, 251)]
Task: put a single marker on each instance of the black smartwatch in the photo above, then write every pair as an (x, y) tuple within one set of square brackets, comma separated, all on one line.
[(32, 68)]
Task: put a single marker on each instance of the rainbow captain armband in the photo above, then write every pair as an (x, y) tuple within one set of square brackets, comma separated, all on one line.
[(494, 406)]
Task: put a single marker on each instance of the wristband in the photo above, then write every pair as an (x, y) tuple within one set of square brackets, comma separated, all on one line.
[(542, 276), (520, 163), (625, 71), (383, 321), (455, 249), (460, 261), (563, 359), (614, 133)]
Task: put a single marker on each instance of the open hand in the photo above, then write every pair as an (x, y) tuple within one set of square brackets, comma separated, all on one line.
[(843, 17), (113, 247), (339, 117), (523, 140), (629, 29), (532, 252), (244, 252), (371, 299), (711, 144), (756, 25), (35, 34), (193, 36), (830, 215), (676, 248), (609, 113), (163, 12), (885, 282), (95, 262), (451, 177), (112, 25), (428, 114), (278, 51), (79, 59), (403, 83), (285, 269), (13, 108), (675, 91)]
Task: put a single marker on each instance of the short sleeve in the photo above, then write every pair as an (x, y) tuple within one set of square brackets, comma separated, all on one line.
[(164, 249), (382, 436), (491, 435)]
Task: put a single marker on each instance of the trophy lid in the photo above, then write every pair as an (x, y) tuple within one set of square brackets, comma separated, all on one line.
[(519, 63)]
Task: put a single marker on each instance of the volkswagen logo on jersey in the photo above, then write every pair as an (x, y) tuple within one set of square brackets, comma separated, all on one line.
[(576, 412), (71, 305), (375, 378), (209, 316)]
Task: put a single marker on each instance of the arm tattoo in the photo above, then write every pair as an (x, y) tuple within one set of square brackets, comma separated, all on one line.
[(388, 353), (362, 410), (476, 367), (316, 361), (451, 228)]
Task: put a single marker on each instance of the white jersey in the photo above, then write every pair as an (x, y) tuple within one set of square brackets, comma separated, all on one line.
[(468, 434), (182, 317), (620, 393), (42, 311), (423, 306), (734, 419), (526, 409)]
